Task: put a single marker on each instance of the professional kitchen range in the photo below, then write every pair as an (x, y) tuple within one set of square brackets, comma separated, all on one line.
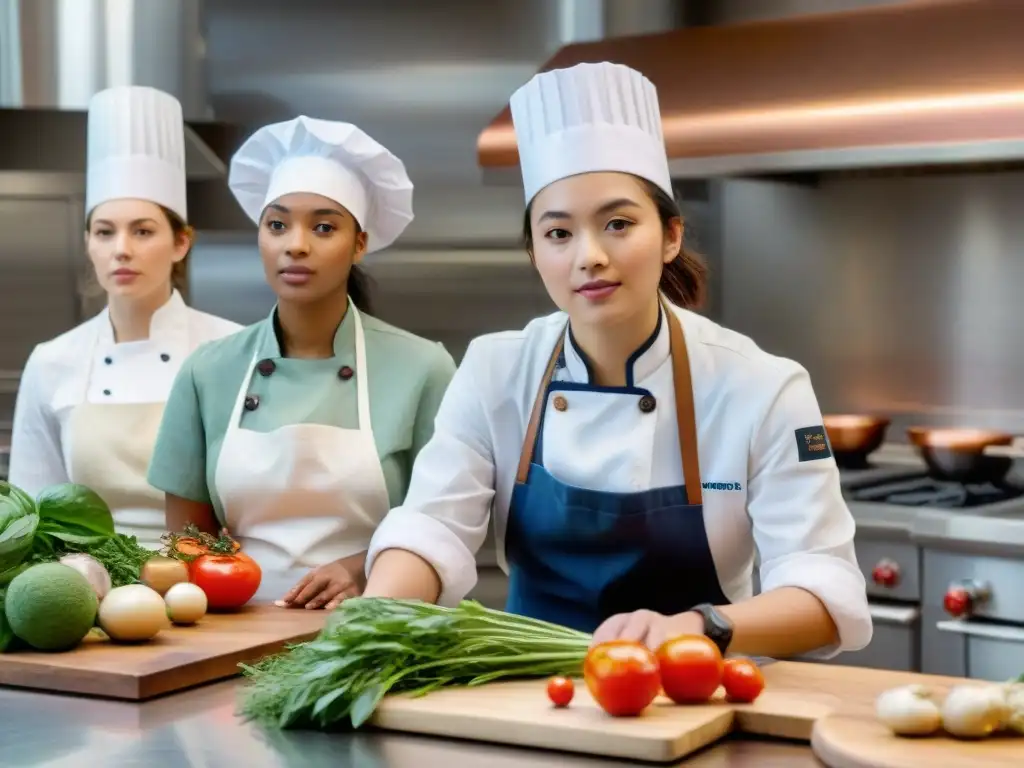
[(940, 534)]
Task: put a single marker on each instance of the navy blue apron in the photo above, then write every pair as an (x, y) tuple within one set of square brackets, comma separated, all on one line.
[(577, 556)]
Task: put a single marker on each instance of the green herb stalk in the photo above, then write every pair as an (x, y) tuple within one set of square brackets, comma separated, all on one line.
[(375, 646)]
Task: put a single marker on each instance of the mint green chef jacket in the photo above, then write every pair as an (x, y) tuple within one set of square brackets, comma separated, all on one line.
[(408, 376)]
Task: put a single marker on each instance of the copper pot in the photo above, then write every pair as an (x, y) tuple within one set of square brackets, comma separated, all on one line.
[(958, 455), (854, 437)]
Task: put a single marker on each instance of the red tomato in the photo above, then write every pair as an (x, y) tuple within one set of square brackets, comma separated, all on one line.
[(691, 668), (560, 691), (743, 680), (622, 676), (229, 581)]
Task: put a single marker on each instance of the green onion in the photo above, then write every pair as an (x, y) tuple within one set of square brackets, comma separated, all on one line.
[(375, 646)]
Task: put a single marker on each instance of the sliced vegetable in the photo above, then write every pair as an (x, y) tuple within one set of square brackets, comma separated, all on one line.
[(374, 646), (561, 690), (132, 613), (742, 680), (622, 676), (691, 668), (186, 603), (161, 573)]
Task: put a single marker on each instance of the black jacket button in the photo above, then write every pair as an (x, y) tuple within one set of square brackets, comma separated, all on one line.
[(108, 360), (165, 357), (647, 403), (266, 367), (345, 373), (252, 402), (106, 391)]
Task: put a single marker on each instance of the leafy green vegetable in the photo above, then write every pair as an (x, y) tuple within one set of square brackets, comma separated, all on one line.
[(18, 523), (73, 513), (373, 646)]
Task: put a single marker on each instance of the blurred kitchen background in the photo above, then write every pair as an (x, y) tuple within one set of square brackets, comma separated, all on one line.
[(859, 203)]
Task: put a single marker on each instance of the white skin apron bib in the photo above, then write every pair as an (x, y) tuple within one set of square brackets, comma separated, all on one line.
[(302, 495), (111, 445)]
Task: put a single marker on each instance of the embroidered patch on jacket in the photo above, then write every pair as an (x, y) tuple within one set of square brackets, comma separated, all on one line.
[(811, 443)]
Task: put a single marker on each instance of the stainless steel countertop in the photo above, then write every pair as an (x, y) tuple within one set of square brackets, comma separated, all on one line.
[(198, 729)]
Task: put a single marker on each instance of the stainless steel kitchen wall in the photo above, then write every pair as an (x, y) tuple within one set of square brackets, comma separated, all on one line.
[(424, 79), (902, 296)]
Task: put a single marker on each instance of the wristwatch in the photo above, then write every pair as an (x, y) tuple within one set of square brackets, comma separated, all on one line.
[(717, 627)]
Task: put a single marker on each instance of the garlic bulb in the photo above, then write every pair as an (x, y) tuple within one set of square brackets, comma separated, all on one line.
[(909, 711), (974, 711), (93, 571)]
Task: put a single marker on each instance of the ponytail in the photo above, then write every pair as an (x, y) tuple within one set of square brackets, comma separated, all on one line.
[(684, 279)]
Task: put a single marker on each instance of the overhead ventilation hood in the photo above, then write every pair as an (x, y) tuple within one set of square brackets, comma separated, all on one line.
[(55, 54), (926, 83)]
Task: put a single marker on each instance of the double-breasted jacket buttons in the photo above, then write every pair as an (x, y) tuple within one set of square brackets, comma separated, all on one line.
[(345, 373), (560, 402), (266, 367), (252, 402), (647, 403)]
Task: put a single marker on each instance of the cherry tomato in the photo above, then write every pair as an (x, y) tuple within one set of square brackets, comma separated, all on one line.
[(691, 668), (560, 691), (742, 679), (622, 676), (229, 581)]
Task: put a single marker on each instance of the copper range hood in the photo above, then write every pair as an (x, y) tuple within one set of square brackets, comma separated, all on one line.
[(932, 82)]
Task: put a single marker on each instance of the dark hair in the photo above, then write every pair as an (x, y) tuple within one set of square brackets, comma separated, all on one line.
[(360, 285), (684, 279), (179, 270)]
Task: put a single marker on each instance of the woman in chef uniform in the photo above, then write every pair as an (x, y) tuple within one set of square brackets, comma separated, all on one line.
[(90, 401), (299, 433), (634, 455)]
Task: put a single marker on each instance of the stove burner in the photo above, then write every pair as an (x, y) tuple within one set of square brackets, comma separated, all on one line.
[(925, 491)]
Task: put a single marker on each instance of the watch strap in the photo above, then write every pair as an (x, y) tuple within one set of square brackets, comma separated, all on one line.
[(717, 627)]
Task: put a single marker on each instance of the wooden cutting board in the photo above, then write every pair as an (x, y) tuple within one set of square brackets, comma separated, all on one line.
[(519, 714), (863, 742), (177, 658)]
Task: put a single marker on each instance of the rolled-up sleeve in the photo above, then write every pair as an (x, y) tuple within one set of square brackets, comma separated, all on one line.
[(446, 512), (802, 527)]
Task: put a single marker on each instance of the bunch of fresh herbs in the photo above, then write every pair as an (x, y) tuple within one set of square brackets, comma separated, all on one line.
[(375, 646)]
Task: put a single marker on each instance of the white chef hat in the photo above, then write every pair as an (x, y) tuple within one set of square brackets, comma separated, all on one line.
[(587, 118), (336, 160), (136, 148)]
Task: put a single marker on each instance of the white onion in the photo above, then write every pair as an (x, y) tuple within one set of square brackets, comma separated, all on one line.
[(909, 711), (186, 603), (132, 613)]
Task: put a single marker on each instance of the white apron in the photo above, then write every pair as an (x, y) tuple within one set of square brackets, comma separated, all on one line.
[(111, 445), (302, 495)]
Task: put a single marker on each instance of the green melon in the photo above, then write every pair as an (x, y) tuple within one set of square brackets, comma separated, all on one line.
[(51, 607)]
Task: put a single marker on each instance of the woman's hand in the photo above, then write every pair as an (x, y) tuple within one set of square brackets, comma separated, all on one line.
[(328, 585), (647, 627)]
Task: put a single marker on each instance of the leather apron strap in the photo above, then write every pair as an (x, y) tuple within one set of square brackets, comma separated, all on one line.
[(686, 422)]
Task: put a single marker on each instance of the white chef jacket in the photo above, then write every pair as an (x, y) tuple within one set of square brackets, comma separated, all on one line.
[(86, 365), (763, 491)]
